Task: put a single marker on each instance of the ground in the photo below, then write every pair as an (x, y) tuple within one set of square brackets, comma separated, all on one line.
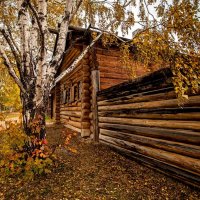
[(96, 172)]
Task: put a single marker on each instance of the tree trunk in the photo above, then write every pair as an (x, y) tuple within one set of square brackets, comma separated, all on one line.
[(34, 118)]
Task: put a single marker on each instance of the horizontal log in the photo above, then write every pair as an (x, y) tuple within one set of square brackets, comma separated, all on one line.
[(175, 110), (107, 52), (108, 74), (63, 121), (71, 105), (176, 147), (177, 135), (193, 101), (75, 124), (73, 128), (134, 114), (156, 80), (147, 88), (109, 63), (64, 117), (112, 80), (193, 125), (135, 99), (165, 168), (191, 164), (66, 108), (110, 57), (71, 113), (76, 119), (104, 86)]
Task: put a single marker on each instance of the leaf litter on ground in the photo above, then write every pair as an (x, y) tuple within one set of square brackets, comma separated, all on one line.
[(93, 171)]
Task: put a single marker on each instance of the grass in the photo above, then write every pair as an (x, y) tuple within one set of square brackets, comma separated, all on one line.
[(95, 172)]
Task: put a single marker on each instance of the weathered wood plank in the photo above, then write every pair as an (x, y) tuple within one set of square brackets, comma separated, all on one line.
[(73, 128), (155, 80), (195, 116), (179, 135), (67, 108), (141, 98), (191, 164), (175, 110), (176, 147), (71, 113), (108, 74), (73, 123), (193, 101), (166, 168), (192, 125)]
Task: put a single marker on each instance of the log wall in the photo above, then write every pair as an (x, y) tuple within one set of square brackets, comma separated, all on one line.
[(74, 113), (70, 112), (143, 120), (110, 68), (112, 72)]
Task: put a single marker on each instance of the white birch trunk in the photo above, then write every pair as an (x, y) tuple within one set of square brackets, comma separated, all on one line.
[(36, 72)]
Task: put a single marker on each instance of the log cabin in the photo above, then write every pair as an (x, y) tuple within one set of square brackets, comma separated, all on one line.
[(73, 99), (141, 118)]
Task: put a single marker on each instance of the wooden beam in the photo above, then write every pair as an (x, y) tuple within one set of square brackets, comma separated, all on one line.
[(180, 135), (177, 124), (167, 145)]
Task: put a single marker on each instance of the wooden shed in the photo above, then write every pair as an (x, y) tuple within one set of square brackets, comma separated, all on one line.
[(73, 99)]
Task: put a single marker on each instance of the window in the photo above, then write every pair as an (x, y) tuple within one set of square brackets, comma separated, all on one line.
[(76, 93), (69, 95), (79, 90), (64, 96)]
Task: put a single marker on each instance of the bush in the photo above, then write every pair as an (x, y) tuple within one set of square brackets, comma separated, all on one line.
[(21, 155)]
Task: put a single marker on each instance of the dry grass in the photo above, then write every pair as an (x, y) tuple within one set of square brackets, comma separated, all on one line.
[(96, 173)]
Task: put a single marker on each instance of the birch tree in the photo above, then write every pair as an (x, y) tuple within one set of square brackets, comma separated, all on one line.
[(165, 36)]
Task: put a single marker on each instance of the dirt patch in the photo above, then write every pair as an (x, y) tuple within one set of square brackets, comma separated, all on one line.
[(96, 172)]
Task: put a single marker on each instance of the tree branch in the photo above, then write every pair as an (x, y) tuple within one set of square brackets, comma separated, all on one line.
[(148, 10), (61, 41), (24, 32), (76, 10), (35, 13), (12, 47), (11, 37), (11, 70)]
